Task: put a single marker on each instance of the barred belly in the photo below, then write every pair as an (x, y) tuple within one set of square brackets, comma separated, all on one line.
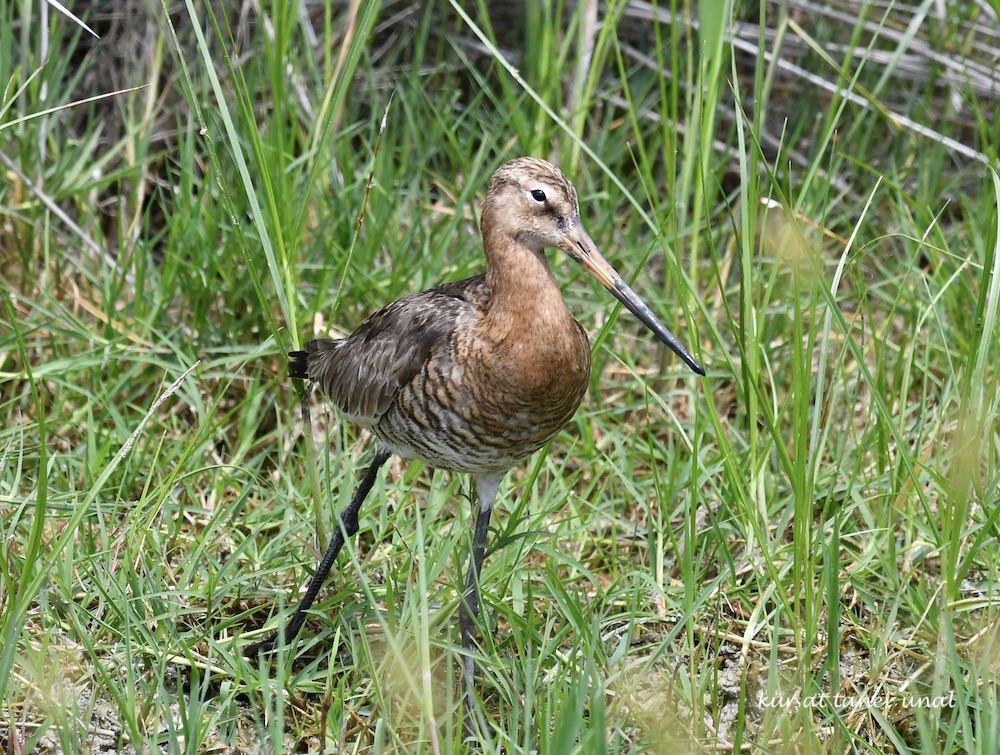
[(489, 424)]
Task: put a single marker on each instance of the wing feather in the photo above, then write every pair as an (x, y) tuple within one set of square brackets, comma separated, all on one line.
[(363, 373)]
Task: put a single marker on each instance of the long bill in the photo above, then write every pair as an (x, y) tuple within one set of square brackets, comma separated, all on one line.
[(581, 247)]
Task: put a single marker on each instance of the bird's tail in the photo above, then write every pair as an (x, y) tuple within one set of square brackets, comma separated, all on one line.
[(298, 364), (298, 361), (298, 367)]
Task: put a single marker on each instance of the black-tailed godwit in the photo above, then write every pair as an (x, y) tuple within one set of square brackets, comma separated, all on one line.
[(476, 375)]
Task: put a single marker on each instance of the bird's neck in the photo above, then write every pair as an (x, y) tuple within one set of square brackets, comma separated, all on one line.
[(525, 294), (532, 345)]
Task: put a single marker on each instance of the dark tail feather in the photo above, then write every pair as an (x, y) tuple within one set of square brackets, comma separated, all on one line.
[(298, 361), (298, 364), (298, 367)]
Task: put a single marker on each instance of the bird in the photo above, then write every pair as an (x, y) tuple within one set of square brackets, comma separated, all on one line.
[(472, 376)]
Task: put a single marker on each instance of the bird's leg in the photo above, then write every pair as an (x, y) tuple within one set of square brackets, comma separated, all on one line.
[(468, 609), (346, 527)]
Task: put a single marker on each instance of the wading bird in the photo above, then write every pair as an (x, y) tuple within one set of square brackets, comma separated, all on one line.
[(476, 375)]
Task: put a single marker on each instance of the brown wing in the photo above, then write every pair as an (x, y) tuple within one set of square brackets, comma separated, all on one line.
[(362, 373)]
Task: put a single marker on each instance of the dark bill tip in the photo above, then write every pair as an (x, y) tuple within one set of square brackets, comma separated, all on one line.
[(582, 248), (623, 292)]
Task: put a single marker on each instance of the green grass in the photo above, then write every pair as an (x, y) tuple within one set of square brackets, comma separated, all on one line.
[(819, 515)]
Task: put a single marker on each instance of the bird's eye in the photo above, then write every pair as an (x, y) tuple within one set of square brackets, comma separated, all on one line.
[(538, 195)]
